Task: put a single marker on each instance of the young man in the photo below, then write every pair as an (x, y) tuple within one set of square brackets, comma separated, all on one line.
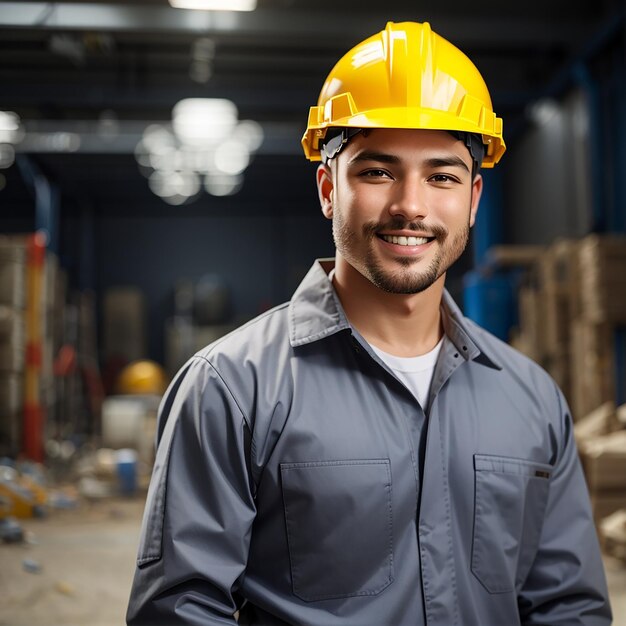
[(364, 455)]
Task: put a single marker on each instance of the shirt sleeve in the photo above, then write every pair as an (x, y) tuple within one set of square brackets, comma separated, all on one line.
[(199, 510), (566, 584)]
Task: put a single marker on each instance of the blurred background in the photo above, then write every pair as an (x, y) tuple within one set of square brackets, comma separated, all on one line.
[(154, 196)]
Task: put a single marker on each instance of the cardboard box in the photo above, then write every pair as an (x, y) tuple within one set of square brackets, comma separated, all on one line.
[(613, 534), (592, 363), (602, 269), (604, 462), (599, 422), (604, 504), (558, 278)]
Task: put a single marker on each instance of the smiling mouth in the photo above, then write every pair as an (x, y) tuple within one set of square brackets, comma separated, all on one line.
[(406, 241)]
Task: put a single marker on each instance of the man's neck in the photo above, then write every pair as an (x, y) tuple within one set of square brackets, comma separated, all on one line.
[(399, 324)]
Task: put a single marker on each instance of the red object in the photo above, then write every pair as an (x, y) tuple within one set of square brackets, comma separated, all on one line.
[(33, 355), (65, 363), (33, 432), (37, 249)]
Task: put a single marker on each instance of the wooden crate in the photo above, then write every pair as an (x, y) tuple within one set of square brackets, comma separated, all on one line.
[(613, 534), (592, 363), (605, 503), (12, 339), (531, 326), (11, 411), (559, 367), (13, 256), (599, 422), (558, 278), (602, 269), (604, 462)]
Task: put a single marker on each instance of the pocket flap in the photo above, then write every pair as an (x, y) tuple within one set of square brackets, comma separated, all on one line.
[(508, 465)]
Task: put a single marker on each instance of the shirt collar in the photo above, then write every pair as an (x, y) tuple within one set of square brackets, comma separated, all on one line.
[(315, 312), (464, 334)]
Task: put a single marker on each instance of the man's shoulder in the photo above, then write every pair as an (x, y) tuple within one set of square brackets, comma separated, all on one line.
[(243, 358), (511, 359), (270, 328)]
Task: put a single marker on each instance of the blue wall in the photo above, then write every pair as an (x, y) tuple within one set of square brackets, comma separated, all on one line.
[(260, 259)]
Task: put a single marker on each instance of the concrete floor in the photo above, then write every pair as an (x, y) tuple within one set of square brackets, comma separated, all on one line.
[(86, 560)]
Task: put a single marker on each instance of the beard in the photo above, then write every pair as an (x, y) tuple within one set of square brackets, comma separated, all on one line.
[(402, 280)]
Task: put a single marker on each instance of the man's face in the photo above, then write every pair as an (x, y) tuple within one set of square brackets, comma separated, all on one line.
[(402, 203)]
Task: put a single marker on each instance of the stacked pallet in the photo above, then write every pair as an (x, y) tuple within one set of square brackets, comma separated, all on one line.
[(547, 302), (596, 369), (558, 292), (572, 312), (601, 440), (12, 341), (572, 307), (15, 357), (613, 534), (602, 267), (600, 321)]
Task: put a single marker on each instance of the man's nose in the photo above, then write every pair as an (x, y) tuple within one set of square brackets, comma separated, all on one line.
[(410, 200)]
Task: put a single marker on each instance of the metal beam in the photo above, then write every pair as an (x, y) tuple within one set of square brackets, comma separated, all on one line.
[(292, 24), (87, 137)]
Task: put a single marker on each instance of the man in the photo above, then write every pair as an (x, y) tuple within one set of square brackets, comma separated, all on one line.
[(364, 455)]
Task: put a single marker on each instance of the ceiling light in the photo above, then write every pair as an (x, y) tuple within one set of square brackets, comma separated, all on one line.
[(7, 155), (215, 5), (544, 111), (203, 121), (11, 130), (232, 157)]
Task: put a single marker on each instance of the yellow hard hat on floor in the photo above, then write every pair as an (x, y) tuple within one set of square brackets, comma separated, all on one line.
[(142, 377), (406, 76)]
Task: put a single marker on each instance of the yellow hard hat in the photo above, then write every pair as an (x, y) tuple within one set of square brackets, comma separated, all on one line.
[(405, 76), (142, 377)]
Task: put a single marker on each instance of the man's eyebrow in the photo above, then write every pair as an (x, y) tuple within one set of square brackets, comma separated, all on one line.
[(380, 157), (448, 161), (433, 162)]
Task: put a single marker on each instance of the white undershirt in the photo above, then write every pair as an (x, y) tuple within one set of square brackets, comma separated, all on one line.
[(415, 372)]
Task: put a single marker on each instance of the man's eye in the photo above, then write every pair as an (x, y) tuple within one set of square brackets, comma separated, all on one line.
[(374, 174), (443, 178)]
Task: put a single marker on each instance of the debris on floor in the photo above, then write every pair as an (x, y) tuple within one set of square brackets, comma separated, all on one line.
[(11, 530), (32, 566)]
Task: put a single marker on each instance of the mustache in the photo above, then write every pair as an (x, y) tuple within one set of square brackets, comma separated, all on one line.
[(436, 231)]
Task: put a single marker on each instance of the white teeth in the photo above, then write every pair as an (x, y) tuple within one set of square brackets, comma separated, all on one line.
[(405, 241)]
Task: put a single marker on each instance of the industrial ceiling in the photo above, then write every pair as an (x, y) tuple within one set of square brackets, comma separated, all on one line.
[(103, 71)]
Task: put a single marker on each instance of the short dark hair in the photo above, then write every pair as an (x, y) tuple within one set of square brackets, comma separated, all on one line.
[(337, 137)]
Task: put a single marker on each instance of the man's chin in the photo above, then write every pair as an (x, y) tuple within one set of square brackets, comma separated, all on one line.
[(406, 285)]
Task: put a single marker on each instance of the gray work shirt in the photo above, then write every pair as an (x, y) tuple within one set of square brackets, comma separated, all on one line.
[(297, 480)]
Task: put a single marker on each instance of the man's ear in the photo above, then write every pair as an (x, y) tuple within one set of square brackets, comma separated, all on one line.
[(477, 190), (325, 189)]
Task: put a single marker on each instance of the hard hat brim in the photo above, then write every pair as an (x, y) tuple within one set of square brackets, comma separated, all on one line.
[(408, 118)]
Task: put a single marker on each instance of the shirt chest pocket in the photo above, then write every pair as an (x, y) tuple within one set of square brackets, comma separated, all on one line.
[(510, 501), (339, 527)]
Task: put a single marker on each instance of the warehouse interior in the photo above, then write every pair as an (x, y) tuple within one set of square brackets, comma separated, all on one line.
[(133, 232)]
